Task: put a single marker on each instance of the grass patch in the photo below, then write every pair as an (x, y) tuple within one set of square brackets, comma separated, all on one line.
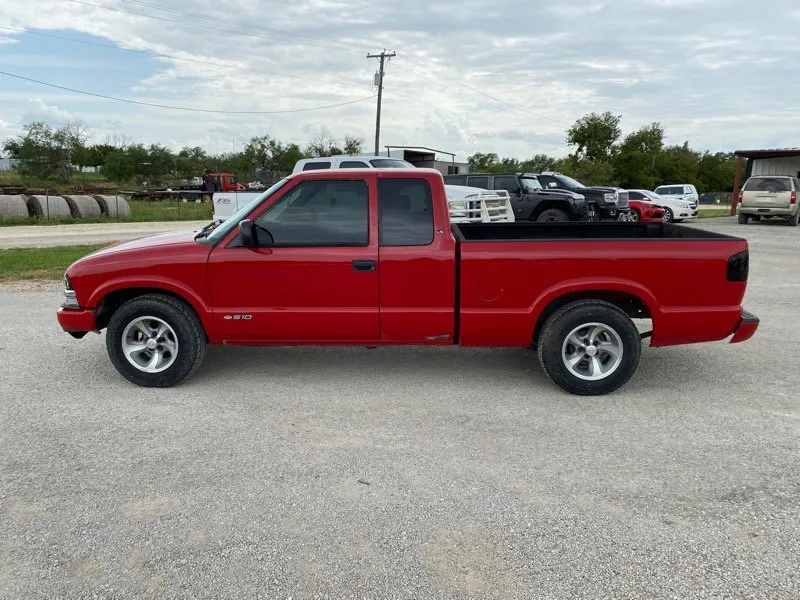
[(41, 263), (142, 211), (710, 213)]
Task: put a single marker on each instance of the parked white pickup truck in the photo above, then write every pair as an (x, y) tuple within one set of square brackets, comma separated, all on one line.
[(467, 204)]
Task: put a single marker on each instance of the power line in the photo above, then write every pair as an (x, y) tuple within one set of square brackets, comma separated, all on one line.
[(184, 108), (170, 56)]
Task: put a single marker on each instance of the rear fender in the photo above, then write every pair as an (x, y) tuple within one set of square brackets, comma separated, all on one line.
[(583, 288)]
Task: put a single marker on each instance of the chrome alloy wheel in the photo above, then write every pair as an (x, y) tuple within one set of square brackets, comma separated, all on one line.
[(592, 351), (150, 344)]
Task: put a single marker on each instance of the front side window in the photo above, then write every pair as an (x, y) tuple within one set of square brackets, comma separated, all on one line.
[(353, 164), (319, 213), (670, 190), (506, 182), (405, 212)]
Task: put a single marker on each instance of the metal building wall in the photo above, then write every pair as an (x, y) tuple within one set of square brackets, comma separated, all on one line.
[(785, 165)]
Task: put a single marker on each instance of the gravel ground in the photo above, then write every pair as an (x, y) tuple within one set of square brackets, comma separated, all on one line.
[(404, 473)]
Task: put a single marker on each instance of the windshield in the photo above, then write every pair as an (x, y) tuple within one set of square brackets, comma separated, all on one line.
[(650, 195), (233, 221), (531, 184), (570, 182)]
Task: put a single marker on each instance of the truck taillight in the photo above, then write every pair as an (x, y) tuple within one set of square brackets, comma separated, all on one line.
[(793, 198), (738, 266), (741, 197)]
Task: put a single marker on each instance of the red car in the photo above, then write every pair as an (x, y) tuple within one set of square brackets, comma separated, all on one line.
[(646, 212), (369, 257)]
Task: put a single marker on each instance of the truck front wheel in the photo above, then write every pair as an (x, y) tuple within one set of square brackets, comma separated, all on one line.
[(552, 215), (155, 340), (589, 347)]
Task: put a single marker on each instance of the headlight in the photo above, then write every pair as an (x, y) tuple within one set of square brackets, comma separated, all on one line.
[(70, 299), (610, 197), (458, 208)]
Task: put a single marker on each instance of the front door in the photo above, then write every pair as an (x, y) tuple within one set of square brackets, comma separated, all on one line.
[(316, 281)]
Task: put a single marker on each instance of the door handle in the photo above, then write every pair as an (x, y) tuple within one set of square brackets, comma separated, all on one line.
[(363, 265)]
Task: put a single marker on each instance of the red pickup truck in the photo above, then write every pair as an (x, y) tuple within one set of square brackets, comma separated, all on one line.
[(369, 257)]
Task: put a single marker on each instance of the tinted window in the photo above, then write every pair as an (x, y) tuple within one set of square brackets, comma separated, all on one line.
[(316, 165), (456, 180), (670, 190), (353, 164), (390, 163), (405, 212), (478, 182), (636, 195), (768, 184), (320, 213), (506, 182)]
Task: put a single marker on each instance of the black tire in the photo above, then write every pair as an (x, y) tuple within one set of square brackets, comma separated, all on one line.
[(669, 216), (743, 219), (552, 215), (559, 326), (793, 220), (188, 333)]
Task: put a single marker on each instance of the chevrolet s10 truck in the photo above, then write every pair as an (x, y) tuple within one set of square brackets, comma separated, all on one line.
[(369, 257)]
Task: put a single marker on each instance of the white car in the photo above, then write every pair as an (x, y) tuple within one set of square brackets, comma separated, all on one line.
[(675, 209)]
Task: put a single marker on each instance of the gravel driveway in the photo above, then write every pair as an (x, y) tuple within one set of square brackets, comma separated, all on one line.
[(404, 473)]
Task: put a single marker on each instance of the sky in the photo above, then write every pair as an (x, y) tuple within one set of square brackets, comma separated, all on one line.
[(497, 76)]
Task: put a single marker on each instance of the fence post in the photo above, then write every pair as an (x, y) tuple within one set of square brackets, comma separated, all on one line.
[(47, 201)]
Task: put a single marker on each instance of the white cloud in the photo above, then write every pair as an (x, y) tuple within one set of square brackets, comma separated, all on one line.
[(488, 75), (38, 110)]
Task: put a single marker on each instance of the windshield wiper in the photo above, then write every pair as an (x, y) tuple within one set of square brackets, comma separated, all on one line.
[(209, 228)]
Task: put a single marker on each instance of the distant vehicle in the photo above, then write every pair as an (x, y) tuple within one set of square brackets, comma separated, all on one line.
[(476, 205), (370, 258), (769, 196), (348, 161), (605, 203), (529, 200), (256, 185), (680, 191), (644, 211), (675, 210)]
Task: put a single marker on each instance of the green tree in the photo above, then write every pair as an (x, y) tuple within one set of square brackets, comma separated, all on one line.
[(715, 172), (635, 159), (482, 163), (594, 136), (49, 153), (678, 164), (538, 163)]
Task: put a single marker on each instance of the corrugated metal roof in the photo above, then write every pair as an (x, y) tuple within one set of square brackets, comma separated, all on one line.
[(768, 152)]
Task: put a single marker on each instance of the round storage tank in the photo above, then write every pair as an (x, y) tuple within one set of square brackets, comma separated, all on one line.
[(13, 207), (114, 206), (84, 207), (49, 207)]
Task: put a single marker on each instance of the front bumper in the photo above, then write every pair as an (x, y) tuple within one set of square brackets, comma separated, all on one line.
[(77, 321), (746, 328)]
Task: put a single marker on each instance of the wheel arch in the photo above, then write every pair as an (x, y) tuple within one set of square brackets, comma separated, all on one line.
[(634, 300), (111, 297)]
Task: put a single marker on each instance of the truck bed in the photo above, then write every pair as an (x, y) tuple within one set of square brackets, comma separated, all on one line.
[(517, 232), (690, 282)]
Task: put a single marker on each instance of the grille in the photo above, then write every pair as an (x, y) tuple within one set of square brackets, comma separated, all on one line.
[(622, 201)]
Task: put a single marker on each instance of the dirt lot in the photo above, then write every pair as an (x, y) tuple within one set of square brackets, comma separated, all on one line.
[(404, 473)]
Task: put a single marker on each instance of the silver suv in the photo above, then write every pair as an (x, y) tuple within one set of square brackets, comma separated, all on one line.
[(769, 196)]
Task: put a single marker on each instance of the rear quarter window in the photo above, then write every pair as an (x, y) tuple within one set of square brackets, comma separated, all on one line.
[(316, 165)]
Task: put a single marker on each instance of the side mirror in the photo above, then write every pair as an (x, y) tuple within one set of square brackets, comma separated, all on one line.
[(247, 231)]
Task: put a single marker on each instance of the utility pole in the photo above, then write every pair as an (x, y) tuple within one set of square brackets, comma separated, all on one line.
[(382, 56)]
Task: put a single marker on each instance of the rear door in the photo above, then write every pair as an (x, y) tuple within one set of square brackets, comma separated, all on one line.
[(417, 262), (317, 281)]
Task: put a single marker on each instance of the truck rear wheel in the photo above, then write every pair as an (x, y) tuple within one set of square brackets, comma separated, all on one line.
[(743, 219), (155, 340), (552, 215), (589, 348)]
